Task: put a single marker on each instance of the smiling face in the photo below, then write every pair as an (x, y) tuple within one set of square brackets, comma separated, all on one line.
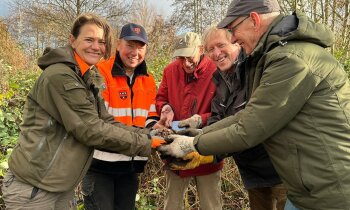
[(132, 53), (89, 44), (244, 33), (190, 64), (220, 50)]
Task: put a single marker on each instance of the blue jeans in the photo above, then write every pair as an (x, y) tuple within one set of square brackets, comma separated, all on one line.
[(290, 206)]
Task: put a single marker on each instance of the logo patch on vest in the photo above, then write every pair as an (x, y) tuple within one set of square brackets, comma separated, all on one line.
[(123, 95)]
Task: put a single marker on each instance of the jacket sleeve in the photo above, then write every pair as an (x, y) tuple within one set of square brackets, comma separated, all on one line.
[(285, 86), (162, 95), (65, 98)]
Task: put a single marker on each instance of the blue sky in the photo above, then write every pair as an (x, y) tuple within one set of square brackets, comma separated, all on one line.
[(3, 8), (162, 6)]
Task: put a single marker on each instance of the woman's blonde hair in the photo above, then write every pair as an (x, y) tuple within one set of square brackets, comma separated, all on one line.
[(89, 18)]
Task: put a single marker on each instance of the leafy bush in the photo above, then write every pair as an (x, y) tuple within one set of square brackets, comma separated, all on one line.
[(15, 85), (157, 65), (341, 56)]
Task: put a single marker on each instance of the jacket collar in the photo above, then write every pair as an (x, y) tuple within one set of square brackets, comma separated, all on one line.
[(118, 70), (83, 66)]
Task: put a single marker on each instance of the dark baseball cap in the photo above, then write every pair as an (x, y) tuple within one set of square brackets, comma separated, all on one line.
[(132, 31), (240, 8)]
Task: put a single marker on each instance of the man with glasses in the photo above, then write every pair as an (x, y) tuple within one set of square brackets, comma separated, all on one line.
[(298, 105), (259, 177), (185, 93)]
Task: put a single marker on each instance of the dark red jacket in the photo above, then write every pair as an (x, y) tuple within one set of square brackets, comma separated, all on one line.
[(189, 95)]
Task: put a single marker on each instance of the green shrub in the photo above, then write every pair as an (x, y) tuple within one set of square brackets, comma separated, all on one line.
[(12, 98), (341, 56), (157, 65)]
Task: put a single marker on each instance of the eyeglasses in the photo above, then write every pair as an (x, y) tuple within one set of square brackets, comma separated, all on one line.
[(232, 29)]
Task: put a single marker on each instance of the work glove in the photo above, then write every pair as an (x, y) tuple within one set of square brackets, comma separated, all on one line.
[(166, 116), (190, 132), (157, 141), (191, 160), (179, 147), (193, 122)]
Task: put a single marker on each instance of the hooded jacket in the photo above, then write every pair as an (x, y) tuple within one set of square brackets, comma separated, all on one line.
[(299, 108), (254, 164), (64, 119)]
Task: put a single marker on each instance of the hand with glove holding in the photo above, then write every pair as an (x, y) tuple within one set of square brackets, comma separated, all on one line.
[(179, 147), (191, 160), (193, 122)]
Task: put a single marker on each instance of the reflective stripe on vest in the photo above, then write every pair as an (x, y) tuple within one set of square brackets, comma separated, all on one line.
[(112, 157)]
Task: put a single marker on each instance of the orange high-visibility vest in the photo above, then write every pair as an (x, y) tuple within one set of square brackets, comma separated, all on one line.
[(130, 104)]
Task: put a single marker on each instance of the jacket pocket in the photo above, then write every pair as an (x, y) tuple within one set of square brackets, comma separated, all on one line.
[(298, 169), (73, 85)]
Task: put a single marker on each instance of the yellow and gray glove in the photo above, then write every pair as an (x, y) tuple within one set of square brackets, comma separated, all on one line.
[(191, 160), (179, 147), (193, 122)]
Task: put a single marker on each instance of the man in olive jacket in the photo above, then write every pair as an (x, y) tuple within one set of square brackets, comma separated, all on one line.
[(299, 106)]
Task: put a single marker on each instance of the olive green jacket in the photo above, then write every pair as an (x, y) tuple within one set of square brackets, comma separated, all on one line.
[(64, 120), (299, 108)]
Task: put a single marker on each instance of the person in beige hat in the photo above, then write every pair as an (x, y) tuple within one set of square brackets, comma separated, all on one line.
[(298, 105), (185, 95)]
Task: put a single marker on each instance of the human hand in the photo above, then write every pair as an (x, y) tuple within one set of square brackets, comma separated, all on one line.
[(193, 122), (179, 147), (191, 160), (158, 125), (190, 132), (166, 116)]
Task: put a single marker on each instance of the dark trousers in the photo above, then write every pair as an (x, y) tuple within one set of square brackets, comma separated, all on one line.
[(268, 198), (109, 192)]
